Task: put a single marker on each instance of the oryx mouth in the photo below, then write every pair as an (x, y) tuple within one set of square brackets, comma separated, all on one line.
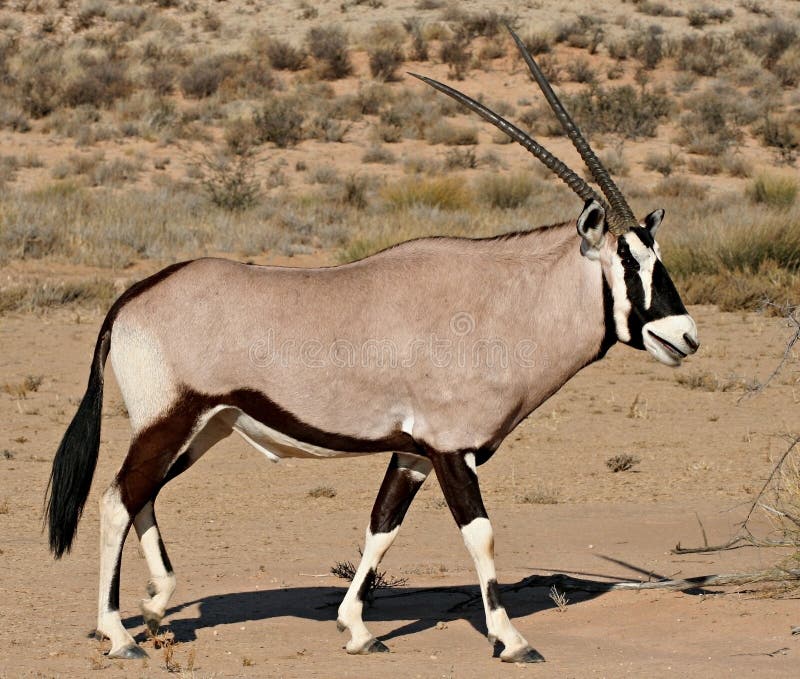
[(671, 348)]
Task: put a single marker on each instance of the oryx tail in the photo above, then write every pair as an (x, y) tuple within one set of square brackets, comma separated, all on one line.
[(76, 458)]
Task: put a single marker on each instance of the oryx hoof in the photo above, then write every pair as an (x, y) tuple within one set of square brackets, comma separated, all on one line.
[(371, 646), (151, 618), (128, 652), (375, 646), (526, 655)]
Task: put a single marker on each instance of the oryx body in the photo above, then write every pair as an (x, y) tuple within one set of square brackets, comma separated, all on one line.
[(433, 350)]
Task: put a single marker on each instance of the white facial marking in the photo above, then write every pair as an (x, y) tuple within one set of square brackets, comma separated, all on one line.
[(647, 261), (622, 305), (664, 338)]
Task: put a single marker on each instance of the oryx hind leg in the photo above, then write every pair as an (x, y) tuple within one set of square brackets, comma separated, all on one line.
[(162, 582), (151, 453), (405, 475)]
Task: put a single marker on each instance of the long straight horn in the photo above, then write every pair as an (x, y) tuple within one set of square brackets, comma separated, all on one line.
[(621, 218), (570, 178)]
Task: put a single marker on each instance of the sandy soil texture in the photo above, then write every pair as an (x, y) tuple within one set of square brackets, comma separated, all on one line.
[(252, 549)]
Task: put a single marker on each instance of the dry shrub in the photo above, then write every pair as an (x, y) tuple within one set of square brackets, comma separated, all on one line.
[(622, 463), (39, 80), (707, 54), (100, 84), (783, 135), (623, 110), (385, 51), (455, 52), (504, 191), (48, 295), (580, 71), (160, 78), (538, 42), (280, 120), (230, 181), (708, 126), (585, 32), (443, 132), (446, 193), (419, 43), (656, 9), (663, 163), (322, 491), (680, 187), (203, 77), (541, 494), (329, 47), (378, 154), (284, 56)]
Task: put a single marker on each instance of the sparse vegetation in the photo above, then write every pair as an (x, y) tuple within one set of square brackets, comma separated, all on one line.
[(622, 463)]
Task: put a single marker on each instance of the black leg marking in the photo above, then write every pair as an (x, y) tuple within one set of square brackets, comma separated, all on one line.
[(163, 551), (113, 590), (493, 595), (366, 586), (394, 497), (460, 487)]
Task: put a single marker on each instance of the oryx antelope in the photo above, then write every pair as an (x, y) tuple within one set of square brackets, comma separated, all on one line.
[(285, 358)]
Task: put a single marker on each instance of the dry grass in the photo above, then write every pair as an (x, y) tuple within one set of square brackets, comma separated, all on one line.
[(622, 463)]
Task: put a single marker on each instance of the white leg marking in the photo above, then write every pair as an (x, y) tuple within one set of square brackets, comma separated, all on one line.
[(351, 608), (479, 539), (162, 582), (114, 521)]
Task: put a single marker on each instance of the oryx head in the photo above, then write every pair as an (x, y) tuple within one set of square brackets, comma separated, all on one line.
[(647, 311)]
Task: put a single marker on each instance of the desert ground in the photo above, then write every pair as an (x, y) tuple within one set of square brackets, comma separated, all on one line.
[(252, 547), (134, 135)]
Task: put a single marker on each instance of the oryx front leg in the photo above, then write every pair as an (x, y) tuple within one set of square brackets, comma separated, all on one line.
[(162, 581), (405, 475), (459, 481)]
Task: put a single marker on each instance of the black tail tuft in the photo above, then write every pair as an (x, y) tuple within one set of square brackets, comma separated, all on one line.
[(76, 458)]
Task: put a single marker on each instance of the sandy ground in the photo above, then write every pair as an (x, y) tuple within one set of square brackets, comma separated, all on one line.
[(252, 549)]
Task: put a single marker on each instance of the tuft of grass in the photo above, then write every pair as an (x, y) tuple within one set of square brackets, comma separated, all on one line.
[(504, 191), (284, 56), (777, 191), (622, 463), (48, 295), (541, 494), (443, 132), (322, 491), (445, 193)]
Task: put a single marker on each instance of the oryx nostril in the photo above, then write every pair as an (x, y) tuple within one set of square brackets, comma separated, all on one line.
[(691, 341)]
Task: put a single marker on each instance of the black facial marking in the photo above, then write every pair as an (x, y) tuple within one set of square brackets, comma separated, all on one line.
[(366, 586), (664, 298), (493, 595)]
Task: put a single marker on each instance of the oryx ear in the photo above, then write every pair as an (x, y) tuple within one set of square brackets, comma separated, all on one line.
[(653, 221), (592, 228)]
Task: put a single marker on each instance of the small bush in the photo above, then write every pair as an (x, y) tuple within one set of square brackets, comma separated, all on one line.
[(622, 463), (773, 190), (378, 154), (284, 56), (461, 159), (656, 9), (419, 43), (280, 120), (329, 47), (580, 71), (540, 42), (706, 165), (446, 193), (456, 54), (680, 187), (621, 109), (230, 181), (323, 491), (446, 133), (203, 78), (504, 191), (160, 78), (99, 85), (39, 81), (707, 54), (781, 135), (663, 163), (384, 60)]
